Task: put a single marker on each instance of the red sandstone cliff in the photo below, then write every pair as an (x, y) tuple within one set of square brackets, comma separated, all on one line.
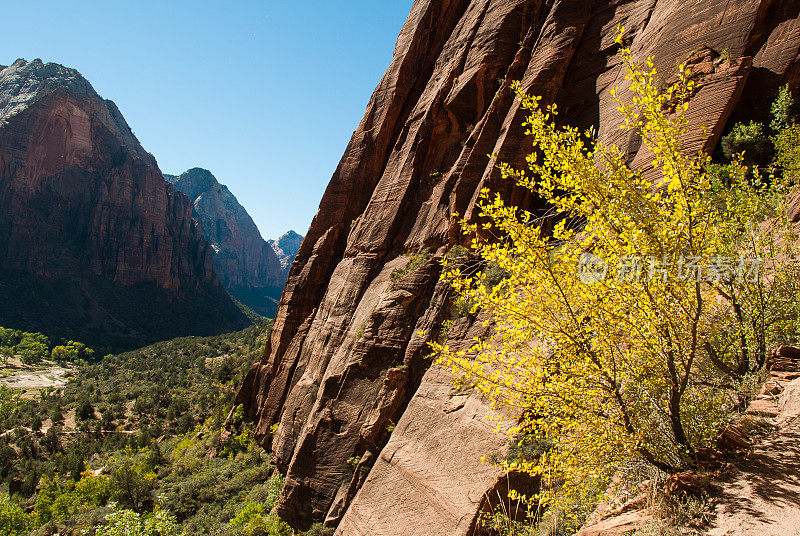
[(346, 362), (92, 239)]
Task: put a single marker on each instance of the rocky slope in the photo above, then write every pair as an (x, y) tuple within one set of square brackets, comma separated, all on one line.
[(246, 265), (345, 375), (93, 242), (286, 248)]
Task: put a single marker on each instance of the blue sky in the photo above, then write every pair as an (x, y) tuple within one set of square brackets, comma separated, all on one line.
[(264, 94)]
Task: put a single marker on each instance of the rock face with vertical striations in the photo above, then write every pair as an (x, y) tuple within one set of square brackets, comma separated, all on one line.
[(246, 265), (346, 374), (93, 242)]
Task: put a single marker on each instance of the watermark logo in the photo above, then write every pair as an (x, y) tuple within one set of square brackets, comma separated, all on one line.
[(591, 268)]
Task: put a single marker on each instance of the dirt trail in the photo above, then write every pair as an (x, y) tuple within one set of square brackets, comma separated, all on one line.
[(760, 495)]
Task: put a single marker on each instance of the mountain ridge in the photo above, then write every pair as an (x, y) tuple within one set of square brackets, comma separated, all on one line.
[(86, 217)]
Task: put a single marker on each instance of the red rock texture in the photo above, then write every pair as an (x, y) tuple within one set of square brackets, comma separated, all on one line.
[(79, 196), (346, 354)]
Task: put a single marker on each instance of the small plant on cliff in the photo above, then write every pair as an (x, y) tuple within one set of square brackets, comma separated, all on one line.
[(361, 330), (616, 332), (416, 261), (749, 139)]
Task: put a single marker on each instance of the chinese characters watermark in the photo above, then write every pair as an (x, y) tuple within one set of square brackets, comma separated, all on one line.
[(717, 269)]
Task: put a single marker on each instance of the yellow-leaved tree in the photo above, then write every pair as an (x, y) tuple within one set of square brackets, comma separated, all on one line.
[(622, 334)]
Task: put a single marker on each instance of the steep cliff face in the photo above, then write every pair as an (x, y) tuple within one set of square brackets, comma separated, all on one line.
[(286, 248), (93, 242), (246, 265), (345, 374)]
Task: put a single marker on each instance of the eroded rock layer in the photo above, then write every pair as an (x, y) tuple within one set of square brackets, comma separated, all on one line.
[(346, 360), (93, 242)]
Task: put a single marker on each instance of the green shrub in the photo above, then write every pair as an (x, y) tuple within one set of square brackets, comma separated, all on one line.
[(723, 174), (749, 139), (361, 329), (13, 520), (318, 529), (527, 446), (787, 148), (132, 482), (493, 274), (456, 255), (462, 307), (781, 110), (32, 350), (85, 410), (123, 522), (433, 178), (414, 263), (255, 520)]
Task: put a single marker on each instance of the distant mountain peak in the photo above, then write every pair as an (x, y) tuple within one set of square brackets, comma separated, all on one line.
[(25, 82), (247, 266), (290, 235), (286, 247), (194, 182)]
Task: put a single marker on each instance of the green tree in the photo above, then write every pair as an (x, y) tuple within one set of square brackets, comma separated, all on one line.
[(32, 350), (85, 410), (10, 337), (132, 482), (255, 520), (65, 353), (781, 110), (749, 139)]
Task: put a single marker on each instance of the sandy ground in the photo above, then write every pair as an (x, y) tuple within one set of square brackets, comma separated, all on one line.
[(18, 376), (760, 496)]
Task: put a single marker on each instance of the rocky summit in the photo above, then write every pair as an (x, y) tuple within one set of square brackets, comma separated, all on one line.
[(246, 265), (370, 435), (286, 248), (93, 241)]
